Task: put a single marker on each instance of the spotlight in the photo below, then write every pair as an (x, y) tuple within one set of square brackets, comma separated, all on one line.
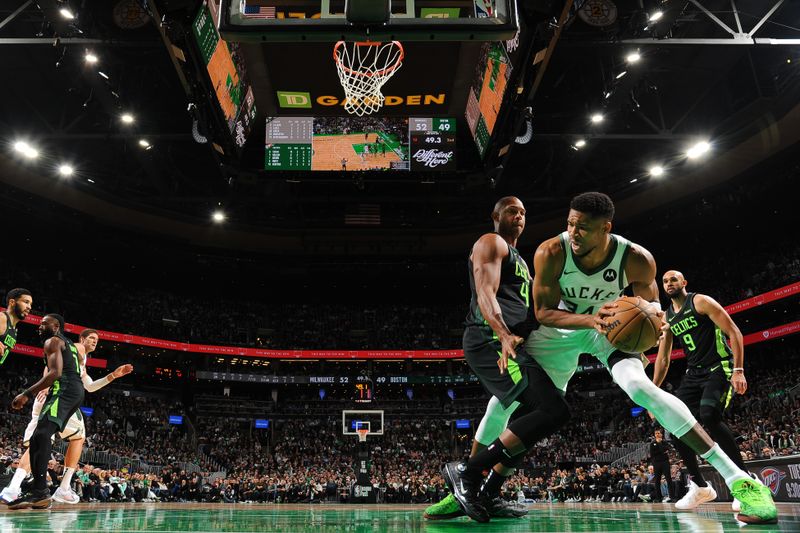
[(90, 58), (102, 74), (26, 149), (656, 171), (580, 143), (66, 170), (218, 217), (143, 143), (127, 118), (633, 57), (66, 13), (656, 16), (597, 118), (698, 149), (621, 74)]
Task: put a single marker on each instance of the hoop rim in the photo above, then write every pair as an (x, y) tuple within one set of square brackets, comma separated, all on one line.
[(362, 434), (382, 72)]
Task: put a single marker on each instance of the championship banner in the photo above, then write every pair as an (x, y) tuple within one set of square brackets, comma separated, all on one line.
[(211, 349)]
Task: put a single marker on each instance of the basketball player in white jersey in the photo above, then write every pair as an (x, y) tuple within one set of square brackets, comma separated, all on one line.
[(74, 433), (578, 275)]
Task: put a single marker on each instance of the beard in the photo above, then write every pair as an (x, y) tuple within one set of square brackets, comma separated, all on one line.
[(18, 312)]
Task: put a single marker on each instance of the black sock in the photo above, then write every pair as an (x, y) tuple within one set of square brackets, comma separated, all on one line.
[(485, 459), (493, 484), (689, 457)]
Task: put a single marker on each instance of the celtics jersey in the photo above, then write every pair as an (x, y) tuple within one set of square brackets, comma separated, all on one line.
[(585, 291), (513, 295), (705, 345), (8, 339), (70, 366)]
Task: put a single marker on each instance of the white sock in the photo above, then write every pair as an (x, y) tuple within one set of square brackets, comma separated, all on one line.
[(65, 481), (19, 477), (723, 464)]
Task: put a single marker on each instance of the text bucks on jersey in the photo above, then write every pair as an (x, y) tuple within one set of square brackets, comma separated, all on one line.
[(585, 291)]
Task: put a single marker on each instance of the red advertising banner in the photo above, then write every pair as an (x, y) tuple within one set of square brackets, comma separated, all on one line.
[(779, 331)]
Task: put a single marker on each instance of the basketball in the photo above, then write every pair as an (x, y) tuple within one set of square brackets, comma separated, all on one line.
[(633, 328)]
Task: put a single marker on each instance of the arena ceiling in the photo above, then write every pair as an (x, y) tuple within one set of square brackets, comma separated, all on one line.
[(715, 70)]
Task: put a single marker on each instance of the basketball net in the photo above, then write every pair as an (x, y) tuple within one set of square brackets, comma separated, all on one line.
[(363, 68), (362, 434)]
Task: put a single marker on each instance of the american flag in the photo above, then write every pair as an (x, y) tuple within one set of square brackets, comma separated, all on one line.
[(363, 215), (259, 12)]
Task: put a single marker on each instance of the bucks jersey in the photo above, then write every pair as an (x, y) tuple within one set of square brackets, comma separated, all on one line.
[(8, 339), (585, 291), (513, 295), (704, 343)]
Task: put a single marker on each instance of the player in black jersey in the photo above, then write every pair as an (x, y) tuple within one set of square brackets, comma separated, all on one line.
[(63, 376), (18, 305), (714, 370), (500, 317)]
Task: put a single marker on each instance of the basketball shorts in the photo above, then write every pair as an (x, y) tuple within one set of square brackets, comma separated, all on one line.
[(482, 350), (74, 430), (64, 400), (557, 351), (703, 387)]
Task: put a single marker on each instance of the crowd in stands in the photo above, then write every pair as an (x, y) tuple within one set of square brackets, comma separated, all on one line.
[(308, 459)]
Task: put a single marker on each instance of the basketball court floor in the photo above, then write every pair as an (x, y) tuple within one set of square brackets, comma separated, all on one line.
[(239, 518)]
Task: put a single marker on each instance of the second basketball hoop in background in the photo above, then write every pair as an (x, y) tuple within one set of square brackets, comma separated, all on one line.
[(364, 67)]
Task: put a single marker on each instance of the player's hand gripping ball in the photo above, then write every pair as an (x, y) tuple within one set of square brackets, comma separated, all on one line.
[(634, 326)]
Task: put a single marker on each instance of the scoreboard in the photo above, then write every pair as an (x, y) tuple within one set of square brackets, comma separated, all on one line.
[(358, 143), (289, 143), (432, 143)]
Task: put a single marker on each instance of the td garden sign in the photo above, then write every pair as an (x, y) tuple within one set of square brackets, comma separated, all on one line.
[(305, 100)]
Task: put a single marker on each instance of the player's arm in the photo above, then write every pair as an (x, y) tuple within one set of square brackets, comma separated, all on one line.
[(663, 358), (640, 269), (487, 261), (52, 352), (547, 264), (3, 323), (91, 386), (706, 305)]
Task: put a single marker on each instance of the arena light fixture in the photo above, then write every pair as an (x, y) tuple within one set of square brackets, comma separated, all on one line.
[(218, 217), (66, 13), (597, 118), (66, 170), (126, 118), (633, 57), (103, 74), (656, 16), (698, 149), (621, 74), (580, 143), (656, 171), (143, 143), (90, 58), (26, 150)]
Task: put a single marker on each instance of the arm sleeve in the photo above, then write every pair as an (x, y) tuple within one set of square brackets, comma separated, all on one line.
[(90, 385)]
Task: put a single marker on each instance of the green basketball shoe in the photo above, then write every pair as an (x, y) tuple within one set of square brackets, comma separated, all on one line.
[(444, 510), (757, 504)]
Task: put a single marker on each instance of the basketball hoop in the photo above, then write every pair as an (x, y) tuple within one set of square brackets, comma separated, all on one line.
[(364, 67), (362, 434)]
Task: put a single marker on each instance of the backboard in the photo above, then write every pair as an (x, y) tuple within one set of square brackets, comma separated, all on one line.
[(353, 420), (325, 21)]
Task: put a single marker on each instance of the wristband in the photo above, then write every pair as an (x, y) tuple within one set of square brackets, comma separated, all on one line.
[(738, 369), (656, 304), (28, 393)]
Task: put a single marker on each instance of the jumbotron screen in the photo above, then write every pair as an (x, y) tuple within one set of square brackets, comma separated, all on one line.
[(360, 143)]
